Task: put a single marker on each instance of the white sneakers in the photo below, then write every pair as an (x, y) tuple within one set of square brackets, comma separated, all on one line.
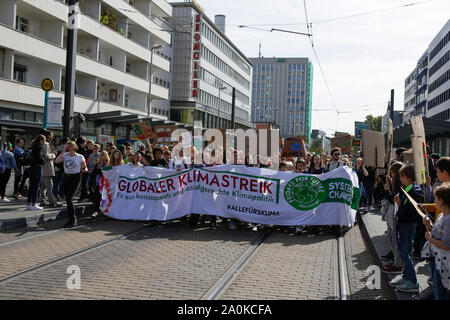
[(4, 200), (33, 208)]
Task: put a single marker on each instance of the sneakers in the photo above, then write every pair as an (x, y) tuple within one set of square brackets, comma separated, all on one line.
[(4, 200), (408, 286), (396, 283), (430, 281), (255, 229), (35, 208), (392, 269), (94, 214), (298, 229)]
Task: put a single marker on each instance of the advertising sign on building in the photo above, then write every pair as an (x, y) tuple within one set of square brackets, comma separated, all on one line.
[(196, 55)]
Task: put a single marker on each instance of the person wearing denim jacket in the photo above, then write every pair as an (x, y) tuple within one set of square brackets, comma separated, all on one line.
[(406, 229)]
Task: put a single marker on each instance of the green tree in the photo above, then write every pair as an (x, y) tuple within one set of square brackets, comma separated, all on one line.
[(316, 146), (374, 122)]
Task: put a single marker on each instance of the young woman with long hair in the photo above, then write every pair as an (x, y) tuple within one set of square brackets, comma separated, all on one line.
[(103, 161), (316, 166), (74, 165), (116, 159), (35, 171)]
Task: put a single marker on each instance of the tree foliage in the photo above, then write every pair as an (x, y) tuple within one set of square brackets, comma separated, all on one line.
[(374, 122)]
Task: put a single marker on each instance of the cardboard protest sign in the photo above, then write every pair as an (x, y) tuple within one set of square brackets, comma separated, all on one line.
[(143, 130), (373, 148), (418, 155), (294, 147), (342, 141), (164, 133), (416, 206), (419, 132)]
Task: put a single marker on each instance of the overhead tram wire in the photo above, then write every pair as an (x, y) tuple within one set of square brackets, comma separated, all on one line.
[(309, 28), (333, 19)]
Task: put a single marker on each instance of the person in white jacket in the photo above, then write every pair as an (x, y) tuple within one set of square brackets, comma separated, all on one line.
[(49, 170)]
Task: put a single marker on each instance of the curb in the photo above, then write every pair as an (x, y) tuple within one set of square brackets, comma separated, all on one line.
[(39, 218), (378, 260)]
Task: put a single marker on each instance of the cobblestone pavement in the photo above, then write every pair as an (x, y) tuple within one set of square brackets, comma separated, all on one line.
[(28, 253), (288, 267), (33, 231), (359, 258), (160, 263)]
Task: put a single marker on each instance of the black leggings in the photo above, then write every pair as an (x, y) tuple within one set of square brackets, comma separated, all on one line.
[(4, 178), (71, 183)]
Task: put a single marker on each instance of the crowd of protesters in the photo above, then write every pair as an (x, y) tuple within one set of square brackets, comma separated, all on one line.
[(48, 173)]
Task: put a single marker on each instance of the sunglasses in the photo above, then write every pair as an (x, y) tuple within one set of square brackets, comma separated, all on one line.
[(336, 154)]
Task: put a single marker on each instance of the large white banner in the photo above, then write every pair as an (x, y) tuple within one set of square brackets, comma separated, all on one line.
[(250, 194)]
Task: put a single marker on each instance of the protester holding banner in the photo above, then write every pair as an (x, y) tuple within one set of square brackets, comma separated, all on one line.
[(316, 166), (335, 160), (102, 162), (74, 165), (158, 160), (116, 159), (406, 229)]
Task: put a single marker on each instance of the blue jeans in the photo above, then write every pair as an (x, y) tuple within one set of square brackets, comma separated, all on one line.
[(406, 233), (439, 291), (35, 183), (370, 189), (58, 189)]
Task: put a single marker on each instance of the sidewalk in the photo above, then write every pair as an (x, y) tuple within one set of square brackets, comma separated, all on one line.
[(375, 230), (13, 214)]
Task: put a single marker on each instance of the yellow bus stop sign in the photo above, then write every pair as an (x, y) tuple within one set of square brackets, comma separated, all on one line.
[(47, 84)]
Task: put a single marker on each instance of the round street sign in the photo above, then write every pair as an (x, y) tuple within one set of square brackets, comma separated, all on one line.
[(47, 84)]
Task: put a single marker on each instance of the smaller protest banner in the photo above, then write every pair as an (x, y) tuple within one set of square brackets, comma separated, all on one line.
[(294, 147), (143, 130), (342, 141), (163, 134), (360, 126), (373, 148)]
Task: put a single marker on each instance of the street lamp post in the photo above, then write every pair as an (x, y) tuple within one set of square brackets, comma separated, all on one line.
[(218, 107), (149, 101)]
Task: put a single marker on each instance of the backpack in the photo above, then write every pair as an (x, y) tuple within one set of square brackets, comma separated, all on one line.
[(28, 157)]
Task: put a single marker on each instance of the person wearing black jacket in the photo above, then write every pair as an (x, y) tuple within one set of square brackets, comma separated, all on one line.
[(406, 229), (35, 172), (82, 149)]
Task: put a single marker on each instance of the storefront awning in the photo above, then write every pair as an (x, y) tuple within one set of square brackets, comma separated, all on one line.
[(433, 128)]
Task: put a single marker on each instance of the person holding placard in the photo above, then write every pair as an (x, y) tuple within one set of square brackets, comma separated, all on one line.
[(437, 248), (406, 229)]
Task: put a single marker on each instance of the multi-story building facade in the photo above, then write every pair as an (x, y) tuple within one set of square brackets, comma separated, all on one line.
[(439, 76), (282, 92), (115, 39), (410, 96), (427, 88), (206, 67)]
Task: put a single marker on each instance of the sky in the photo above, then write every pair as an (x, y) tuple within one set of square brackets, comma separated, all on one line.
[(362, 57)]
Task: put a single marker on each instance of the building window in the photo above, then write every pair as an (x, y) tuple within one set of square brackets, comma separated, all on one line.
[(22, 24), (20, 72)]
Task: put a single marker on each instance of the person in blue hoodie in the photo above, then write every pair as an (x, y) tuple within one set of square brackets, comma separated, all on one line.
[(10, 163), (406, 229)]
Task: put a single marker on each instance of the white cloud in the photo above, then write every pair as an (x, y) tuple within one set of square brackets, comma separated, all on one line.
[(363, 57)]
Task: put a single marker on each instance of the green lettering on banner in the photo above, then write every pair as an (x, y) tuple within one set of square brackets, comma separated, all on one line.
[(308, 192)]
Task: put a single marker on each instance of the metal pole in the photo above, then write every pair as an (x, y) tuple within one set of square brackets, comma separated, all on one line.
[(70, 67), (218, 110), (233, 107), (392, 106), (149, 100), (45, 110)]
